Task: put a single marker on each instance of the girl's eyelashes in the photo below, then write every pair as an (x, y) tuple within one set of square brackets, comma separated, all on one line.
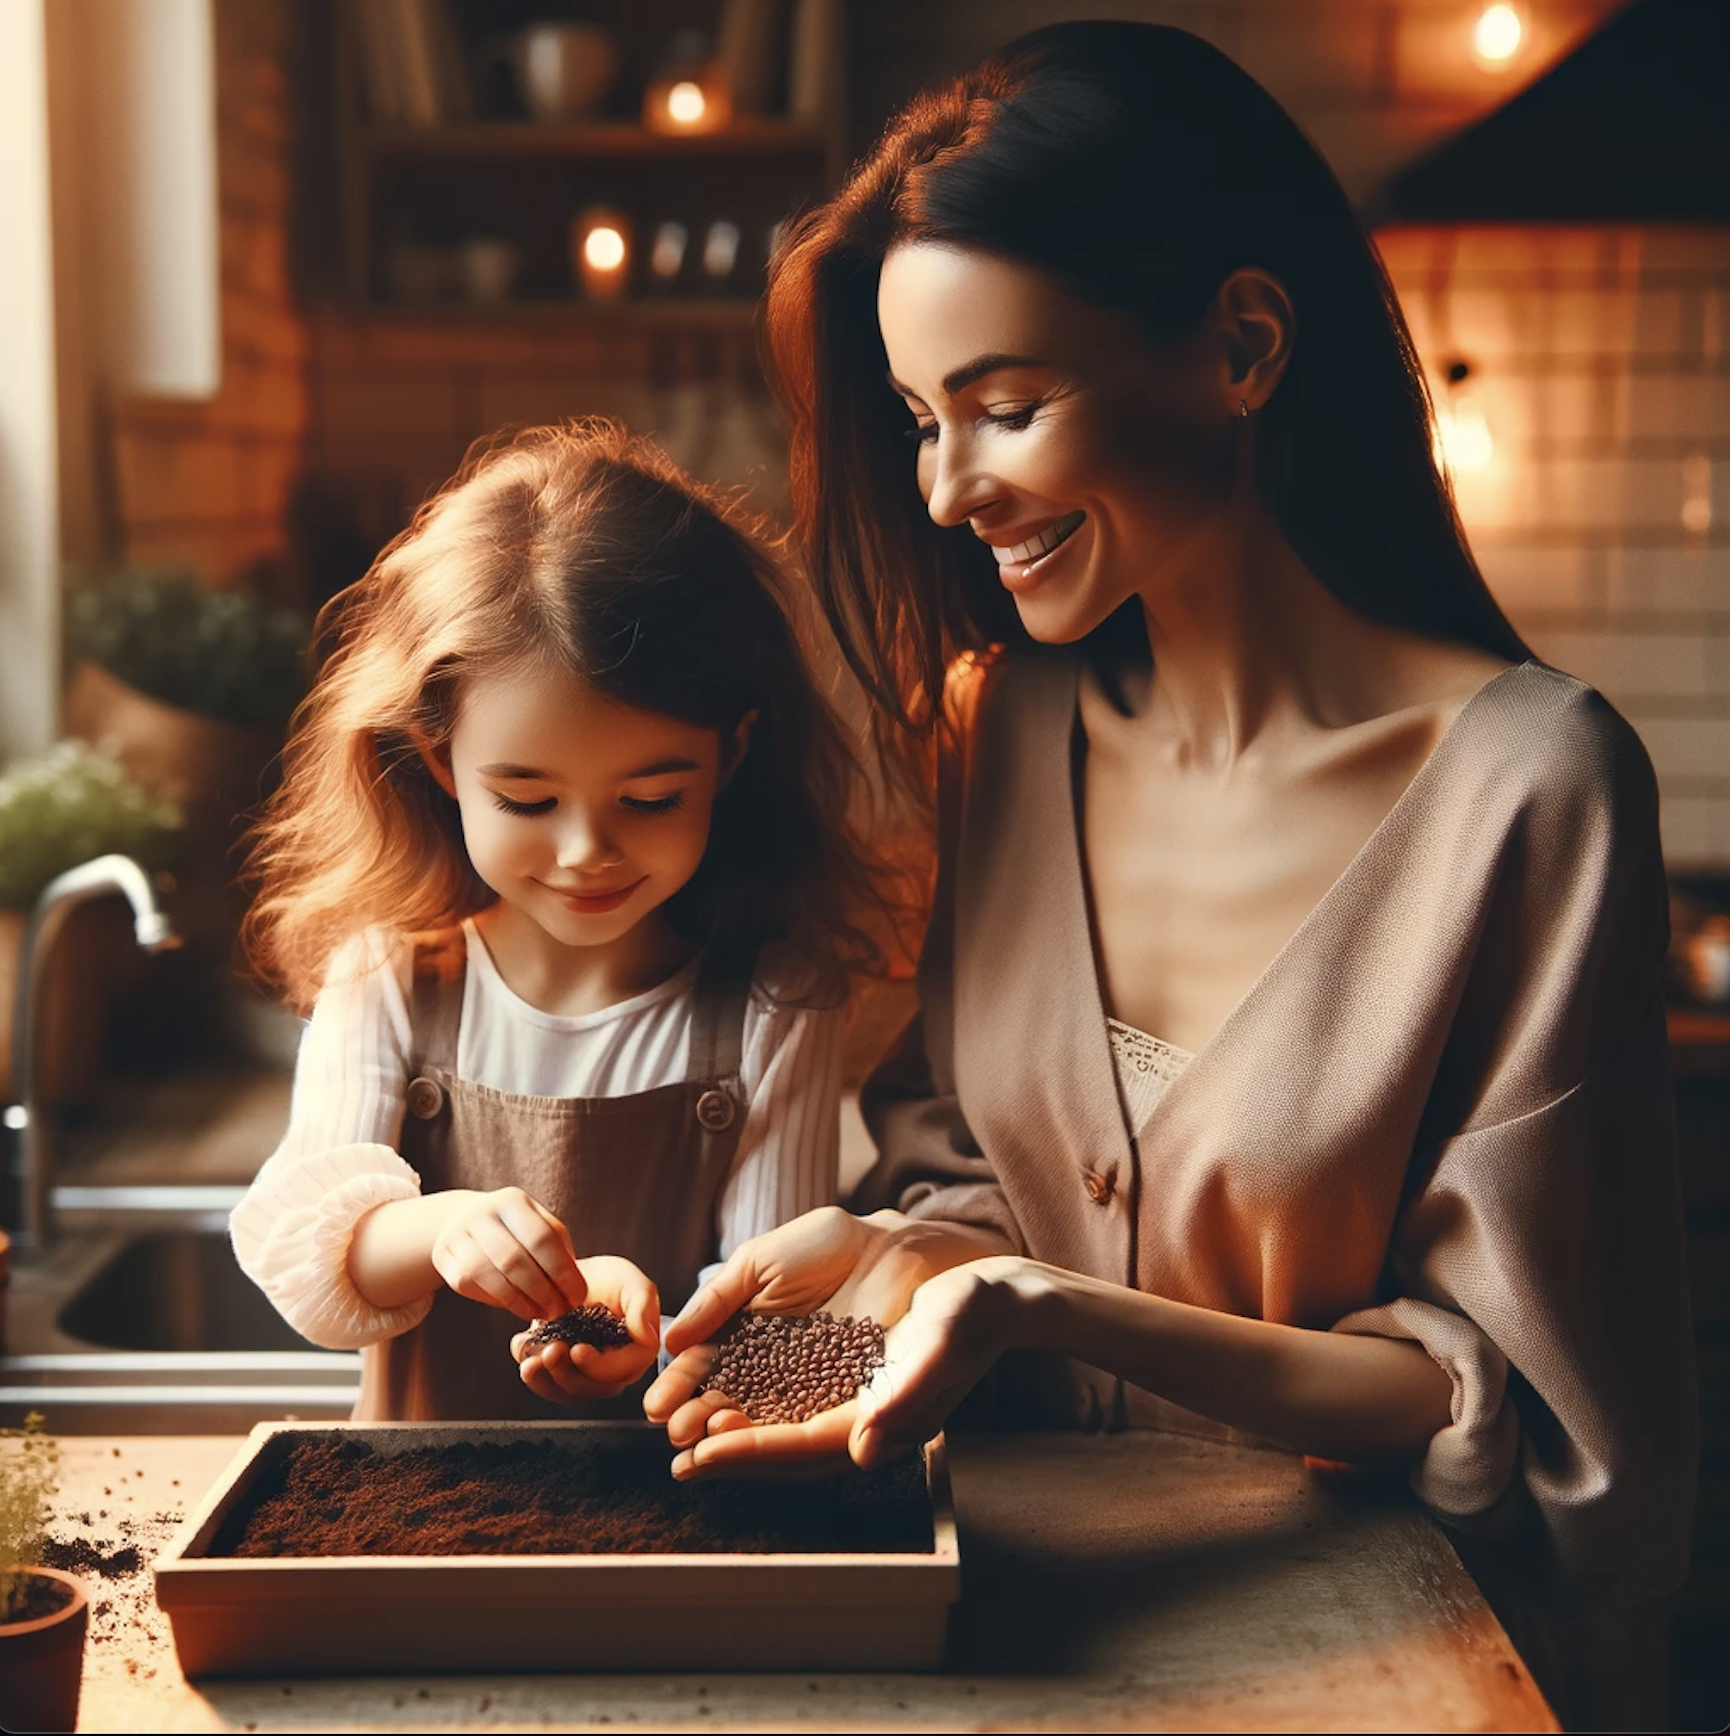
[(655, 804), (525, 810)]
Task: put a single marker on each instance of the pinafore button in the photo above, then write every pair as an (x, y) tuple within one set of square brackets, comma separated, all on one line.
[(1099, 1187), (715, 1110), (425, 1098)]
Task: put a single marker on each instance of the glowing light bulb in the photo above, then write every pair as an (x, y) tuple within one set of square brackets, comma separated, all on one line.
[(1498, 33), (686, 103), (604, 249)]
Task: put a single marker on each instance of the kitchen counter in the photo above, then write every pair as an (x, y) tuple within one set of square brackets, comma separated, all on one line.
[(1131, 1581)]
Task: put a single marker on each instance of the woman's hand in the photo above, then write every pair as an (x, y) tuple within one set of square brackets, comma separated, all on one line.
[(505, 1248), (825, 1259), (571, 1373), (957, 1325)]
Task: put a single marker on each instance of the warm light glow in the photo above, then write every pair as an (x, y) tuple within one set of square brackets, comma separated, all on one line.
[(1498, 34), (1697, 494), (1463, 439), (686, 103), (604, 248)]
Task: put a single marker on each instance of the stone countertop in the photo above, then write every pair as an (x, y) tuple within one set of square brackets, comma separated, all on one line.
[(1121, 1582)]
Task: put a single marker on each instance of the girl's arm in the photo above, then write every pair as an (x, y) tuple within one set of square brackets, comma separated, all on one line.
[(1328, 1394)]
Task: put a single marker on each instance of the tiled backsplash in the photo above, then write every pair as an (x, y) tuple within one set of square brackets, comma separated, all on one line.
[(1599, 364)]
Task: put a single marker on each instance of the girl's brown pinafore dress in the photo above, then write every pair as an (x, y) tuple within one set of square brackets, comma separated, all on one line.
[(639, 1175)]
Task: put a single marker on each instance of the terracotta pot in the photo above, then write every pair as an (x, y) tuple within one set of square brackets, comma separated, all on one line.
[(212, 771), (42, 1661)]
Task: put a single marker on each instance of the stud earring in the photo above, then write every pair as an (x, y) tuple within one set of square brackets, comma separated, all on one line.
[(1242, 409)]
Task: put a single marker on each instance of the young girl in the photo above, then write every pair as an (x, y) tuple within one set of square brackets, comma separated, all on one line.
[(562, 850)]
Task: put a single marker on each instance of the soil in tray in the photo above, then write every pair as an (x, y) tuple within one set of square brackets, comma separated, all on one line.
[(340, 1496)]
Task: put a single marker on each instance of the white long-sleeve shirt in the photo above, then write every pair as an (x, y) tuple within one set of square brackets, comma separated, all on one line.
[(338, 1159)]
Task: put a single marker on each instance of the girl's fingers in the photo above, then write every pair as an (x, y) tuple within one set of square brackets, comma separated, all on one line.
[(521, 1260), (466, 1267)]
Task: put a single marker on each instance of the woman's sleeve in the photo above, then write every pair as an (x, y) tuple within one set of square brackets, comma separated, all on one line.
[(291, 1231), (1539, 1258), (790, 1150), (929, 1165)]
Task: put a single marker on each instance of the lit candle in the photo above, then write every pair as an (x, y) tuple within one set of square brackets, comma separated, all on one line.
[(601, 252), (692, 99)]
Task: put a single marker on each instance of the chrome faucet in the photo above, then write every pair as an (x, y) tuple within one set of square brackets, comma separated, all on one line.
[(27, 1118)]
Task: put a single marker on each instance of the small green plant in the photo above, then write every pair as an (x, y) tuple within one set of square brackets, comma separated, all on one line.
[(68, 805), (29, 1478), (221, 654)]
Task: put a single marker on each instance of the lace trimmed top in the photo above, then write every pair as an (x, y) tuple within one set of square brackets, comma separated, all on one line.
[(1146, 1068)]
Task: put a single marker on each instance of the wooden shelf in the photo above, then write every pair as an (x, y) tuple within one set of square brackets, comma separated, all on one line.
[(686, 313), (750, 137)]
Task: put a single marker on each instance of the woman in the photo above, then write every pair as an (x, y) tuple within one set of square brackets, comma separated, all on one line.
[(1292, 1054)]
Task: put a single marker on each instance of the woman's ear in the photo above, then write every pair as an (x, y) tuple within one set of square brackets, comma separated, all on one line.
[(436, 757), (733, 752), (1254, 321)]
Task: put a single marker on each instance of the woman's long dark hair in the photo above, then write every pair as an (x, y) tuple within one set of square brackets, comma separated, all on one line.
[(1140, 167)]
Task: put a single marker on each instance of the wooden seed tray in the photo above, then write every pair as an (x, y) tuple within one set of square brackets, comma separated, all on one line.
[(373, 1614)]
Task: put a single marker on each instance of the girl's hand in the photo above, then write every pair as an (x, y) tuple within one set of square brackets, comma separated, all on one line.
[(826, 1259), (570, 1373), (507, 1249)]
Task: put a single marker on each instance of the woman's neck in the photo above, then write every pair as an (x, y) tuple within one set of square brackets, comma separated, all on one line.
[(569, 981), (1250, 645)]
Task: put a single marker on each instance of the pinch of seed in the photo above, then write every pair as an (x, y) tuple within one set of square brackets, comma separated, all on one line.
[(590, 1324)]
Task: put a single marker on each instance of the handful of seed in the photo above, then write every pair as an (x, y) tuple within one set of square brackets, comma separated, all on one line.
[(787, 1368), (590, 1324)]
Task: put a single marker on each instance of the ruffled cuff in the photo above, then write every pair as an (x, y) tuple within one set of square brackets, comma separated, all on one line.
[(1466, 1473), (291, 1236)]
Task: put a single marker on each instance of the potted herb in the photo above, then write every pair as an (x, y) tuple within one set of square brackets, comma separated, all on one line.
[(57, 810), (192, 688), (43, 1612)]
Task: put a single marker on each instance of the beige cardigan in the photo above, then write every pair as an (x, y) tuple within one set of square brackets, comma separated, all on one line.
[(1442, 1113)]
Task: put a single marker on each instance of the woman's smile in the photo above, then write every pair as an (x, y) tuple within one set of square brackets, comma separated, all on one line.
[(1021, 565)]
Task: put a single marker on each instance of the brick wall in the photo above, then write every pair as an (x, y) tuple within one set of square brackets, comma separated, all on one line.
[(205, 482), (1600, 363)]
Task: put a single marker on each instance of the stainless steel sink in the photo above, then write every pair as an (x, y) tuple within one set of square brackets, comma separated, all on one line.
[(176, 1290), (160, 1332)]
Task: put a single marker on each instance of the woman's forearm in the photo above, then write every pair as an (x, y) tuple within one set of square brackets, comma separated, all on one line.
[(390, 1252), (1333, 1395)]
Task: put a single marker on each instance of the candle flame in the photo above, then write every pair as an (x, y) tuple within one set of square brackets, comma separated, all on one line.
[(604, 248), (686, 103)]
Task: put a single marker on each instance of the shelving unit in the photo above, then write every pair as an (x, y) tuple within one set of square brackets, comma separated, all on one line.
[(412, 197)]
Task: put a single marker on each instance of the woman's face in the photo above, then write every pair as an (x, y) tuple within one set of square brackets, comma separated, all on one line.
[(1095, 463)]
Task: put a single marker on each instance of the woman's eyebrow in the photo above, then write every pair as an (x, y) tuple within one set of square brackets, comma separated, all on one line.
[(959, 379), (510, 770)]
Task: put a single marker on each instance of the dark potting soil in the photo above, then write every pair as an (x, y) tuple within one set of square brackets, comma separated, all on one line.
[(42, 1596), (341, 1496)]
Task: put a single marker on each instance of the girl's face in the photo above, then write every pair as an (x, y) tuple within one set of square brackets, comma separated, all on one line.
[(579, 812), (1092, 461)]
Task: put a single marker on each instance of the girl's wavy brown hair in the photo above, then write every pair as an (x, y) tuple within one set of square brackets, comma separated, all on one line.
[(586, 547)]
